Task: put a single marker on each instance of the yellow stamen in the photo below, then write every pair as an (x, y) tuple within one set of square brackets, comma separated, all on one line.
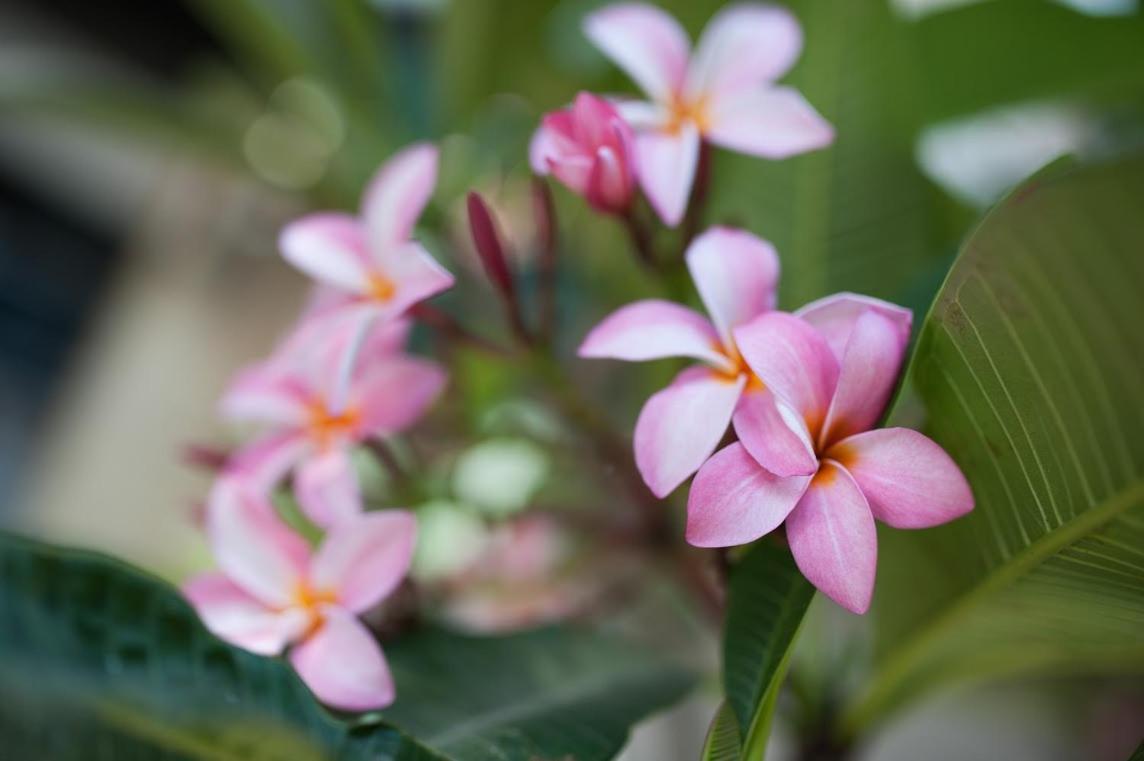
[(682, 111), (312, 601), (381, 288), (326, 428)]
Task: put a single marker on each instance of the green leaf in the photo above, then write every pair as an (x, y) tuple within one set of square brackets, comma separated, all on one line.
[(1139, 754), (1028, 367), (987, 54), (767, 600), (722, 742), (858, 215), (100, 660)]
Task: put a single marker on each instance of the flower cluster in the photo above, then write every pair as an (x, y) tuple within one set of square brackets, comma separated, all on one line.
[(802, 392), (776, 420), (340, 378)]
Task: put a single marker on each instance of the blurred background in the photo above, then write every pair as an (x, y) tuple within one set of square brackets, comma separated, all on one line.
[(151, 149)]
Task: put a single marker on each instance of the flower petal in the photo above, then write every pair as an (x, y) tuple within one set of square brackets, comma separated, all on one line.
[(744, 45), (364, 558), (327, 488), (680, 426), (774, 123), (417, 276), (645, 42), (736, 274), (869, 372), (734, 500), (262, 463), (654, 329), (834, 316), (666, 162), (793, 361), (264, 393), (909, 481), (396, 196), (395, 393), (774, 434), (252, 546), (344, 666), (833, 538), (329, 247), (230, 613)]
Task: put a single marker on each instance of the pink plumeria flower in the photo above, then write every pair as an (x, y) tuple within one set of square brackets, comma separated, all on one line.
[(328, 388), (589, 148), (836, 364), (371, 262), (273, 592), (724, 93), (680, 426)]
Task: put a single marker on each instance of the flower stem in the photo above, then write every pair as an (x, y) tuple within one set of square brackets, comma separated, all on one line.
[(641, 240), (447, 326), (700, 192)]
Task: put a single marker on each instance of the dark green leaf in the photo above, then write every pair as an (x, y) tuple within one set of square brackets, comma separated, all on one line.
[(767, 600), (1028, 366), (95, 655)]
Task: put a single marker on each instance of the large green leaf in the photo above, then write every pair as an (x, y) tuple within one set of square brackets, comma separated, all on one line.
[(859, 215), (767, 600), (1029, 368), (95, 655)]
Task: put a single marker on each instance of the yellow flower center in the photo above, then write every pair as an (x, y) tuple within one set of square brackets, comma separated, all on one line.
[(312, 601), (326, 428), (682, 111), (380, 287)]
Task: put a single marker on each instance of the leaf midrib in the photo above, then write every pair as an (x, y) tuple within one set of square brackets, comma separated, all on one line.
[(870, 702)]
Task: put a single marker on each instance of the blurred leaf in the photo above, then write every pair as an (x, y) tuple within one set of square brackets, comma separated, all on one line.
[(1139, 754), (722, 743), (1028, 367), (859, 215), (98, 660), (1004, 51), (550, 693), (767, 600), (70, 89)]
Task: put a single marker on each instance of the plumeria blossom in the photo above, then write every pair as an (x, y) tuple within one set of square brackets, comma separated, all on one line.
[(588, 147), (273, 592), (371, 263), (724, 93), (327, 388), (736, 275), (835, 363)]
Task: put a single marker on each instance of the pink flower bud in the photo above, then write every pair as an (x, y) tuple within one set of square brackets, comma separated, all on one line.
[(588, 147)]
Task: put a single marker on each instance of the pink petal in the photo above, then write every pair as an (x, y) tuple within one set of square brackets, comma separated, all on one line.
[(327, 488), (654, 329), (666, 164), (774, 434), (265, 394), (736, 275), (867, 377), (329, 247), (396, 196), (909, 481), (680, 426), (645, 42), (643, 115), (774, 123), (793, 361), (834, 317), (261, 464), (253, 547), (417, 276), (233, 615), (344, 666), (733, 500), (745, 45), (833, 538), (395, 393), (365, 557)]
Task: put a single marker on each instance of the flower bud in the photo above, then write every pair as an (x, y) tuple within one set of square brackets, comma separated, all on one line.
[(588, 147)]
